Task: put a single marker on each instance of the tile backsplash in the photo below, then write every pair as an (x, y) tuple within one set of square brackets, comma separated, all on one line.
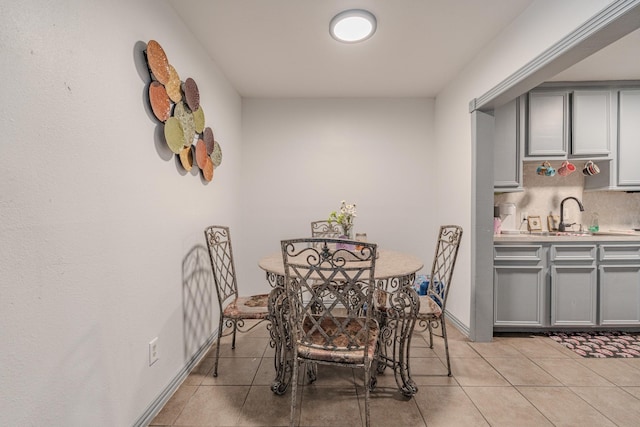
[(616, 210)]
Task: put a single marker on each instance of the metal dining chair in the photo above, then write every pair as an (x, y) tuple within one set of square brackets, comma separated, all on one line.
[(433, 304), (324, 228), (234, 309), (330, 299)]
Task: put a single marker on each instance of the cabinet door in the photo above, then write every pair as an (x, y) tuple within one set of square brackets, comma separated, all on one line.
[(548, 131), (620, 295), (506, 150), (590, 123), (628, 137), (573, 295), (518, 296)]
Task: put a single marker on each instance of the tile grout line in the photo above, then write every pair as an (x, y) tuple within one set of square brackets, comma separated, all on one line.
[(567, 387), (525, 397)]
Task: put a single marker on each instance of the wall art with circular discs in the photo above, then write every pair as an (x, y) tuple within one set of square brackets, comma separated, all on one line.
[(176, 104)]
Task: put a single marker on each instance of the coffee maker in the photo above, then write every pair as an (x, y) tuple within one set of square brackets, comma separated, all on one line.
[(507, 215)]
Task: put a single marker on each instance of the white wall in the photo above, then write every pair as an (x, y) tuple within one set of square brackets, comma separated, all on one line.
[(95, 214), (538, 27), (301, 157)]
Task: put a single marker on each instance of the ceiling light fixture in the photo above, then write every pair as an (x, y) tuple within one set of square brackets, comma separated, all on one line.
[(353, 26)]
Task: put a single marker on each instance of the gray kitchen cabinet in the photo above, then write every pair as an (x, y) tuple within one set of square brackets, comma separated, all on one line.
[(591, 123), (550, 285), (573, 295), (619, 269), (574, 285), (548, 124), (507, 159), (519, 285), (628, 137)]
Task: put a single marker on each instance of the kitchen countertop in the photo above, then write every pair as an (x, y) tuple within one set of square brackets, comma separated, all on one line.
[(604, 236)]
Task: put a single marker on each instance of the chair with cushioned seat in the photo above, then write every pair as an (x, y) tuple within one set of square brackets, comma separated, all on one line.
[(329, 292), (433, 304), (234, 309)]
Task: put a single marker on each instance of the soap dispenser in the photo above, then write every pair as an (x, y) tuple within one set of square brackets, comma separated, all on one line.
[(594, 225)]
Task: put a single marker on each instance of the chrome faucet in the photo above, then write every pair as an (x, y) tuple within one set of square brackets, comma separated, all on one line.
[(562, 226)]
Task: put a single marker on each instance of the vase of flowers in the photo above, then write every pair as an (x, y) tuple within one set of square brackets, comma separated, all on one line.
[(344, 219)]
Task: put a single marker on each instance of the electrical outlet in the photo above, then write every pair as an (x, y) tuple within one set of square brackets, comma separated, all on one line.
[(153, 351), (525, 215)]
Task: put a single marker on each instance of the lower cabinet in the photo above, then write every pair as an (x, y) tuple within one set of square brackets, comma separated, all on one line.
[(520, 277), (574, 292), (574, 285), (519, 295), (566, 285), (619, 295), (619, 269)]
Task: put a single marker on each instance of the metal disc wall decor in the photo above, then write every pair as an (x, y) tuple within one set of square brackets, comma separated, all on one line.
[(208, 139), (174, 85), (186, 158), (176, 105), (198, 118), (160, 102)]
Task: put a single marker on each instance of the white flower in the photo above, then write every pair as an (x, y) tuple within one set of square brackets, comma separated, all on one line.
[(346, 216)]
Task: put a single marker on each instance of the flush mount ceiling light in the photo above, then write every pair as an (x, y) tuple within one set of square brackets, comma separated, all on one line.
[(352, 26)]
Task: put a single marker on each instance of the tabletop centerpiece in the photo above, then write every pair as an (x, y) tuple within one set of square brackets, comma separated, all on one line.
[(344, 219)]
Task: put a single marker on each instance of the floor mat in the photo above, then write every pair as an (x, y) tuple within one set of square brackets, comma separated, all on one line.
[(600, 344)]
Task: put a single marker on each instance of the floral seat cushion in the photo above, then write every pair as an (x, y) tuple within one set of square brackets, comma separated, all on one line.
[(252, 307), (336, 348), (429, 308)]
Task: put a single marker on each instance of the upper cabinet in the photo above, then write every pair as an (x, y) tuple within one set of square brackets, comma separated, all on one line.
[(591, 123), (628, 138), (507, 160), (622, 172), (597, 121), (548, 123), (569, 124)]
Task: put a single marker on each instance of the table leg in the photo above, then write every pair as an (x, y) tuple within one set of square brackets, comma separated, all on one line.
[(278, 306), (397, 320)]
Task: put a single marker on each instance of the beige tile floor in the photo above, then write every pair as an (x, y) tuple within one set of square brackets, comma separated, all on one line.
[(512, 381)]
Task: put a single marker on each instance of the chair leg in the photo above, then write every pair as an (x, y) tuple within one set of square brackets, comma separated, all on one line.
[(233, 341), (312, 371), (430, 334), (446, 343), (215, 366), (294, 390), (373, 374), (367, 410)]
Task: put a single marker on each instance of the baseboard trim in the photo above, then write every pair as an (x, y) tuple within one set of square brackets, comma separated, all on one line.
[(457, 323), (158, 403)]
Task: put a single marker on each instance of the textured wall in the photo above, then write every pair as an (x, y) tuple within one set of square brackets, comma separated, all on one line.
[(96, 216)]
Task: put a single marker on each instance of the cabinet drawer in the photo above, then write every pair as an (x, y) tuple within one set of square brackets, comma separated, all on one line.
[(517, 253), (573, 253), (620, 252)]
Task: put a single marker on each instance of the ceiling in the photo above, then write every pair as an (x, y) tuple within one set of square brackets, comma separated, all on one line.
[(618, 61), (282, 48)]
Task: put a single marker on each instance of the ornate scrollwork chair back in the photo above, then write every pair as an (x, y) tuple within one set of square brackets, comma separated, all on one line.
[(433, 305), (330, 293), (234, 309), (325, 229)]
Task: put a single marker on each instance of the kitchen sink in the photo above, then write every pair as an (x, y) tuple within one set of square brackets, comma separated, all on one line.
[(566, 233), (571, 233)]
